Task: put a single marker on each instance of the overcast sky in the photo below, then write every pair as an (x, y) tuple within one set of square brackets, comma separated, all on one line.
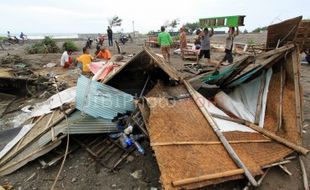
[(91, 16)]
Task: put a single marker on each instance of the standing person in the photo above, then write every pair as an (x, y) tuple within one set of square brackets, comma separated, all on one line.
[(66, 60), (85, 59), (229, 45), (205, 45), (165, 41), (110, 36), (183, 42)]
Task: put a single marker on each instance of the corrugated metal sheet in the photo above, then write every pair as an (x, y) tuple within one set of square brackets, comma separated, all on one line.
[(100, 100), (79, 124)]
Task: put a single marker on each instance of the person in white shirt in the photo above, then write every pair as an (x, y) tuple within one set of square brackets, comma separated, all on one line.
[(66, 60)]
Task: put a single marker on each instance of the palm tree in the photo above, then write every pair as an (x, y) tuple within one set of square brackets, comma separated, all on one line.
[(115, 21)]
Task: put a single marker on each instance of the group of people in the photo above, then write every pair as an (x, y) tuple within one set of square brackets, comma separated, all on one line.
[(202, 44), (85, 59)]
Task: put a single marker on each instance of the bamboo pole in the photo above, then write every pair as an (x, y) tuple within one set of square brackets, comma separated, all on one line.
[(304, 174), (267, 133), (227, 146), (207, 177), (276, 164), (279, 139), (208, 143)]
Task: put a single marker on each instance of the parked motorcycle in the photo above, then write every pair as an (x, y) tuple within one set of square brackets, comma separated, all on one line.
[(124, 38), (11, 41)]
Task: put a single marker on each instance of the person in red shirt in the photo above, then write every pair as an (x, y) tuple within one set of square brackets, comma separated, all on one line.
[(104, 53)]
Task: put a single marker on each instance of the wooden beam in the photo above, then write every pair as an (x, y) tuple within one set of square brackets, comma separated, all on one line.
[(197, 98), (275, 51), (207, 177), (296, 63)]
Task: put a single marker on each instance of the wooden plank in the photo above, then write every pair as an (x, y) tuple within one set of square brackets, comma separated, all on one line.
[(275, 51), (296, 63), (37, 153), (36, 132), (285, 31), (207, 177)]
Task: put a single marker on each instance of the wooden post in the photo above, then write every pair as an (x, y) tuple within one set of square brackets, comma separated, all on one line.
[(227, 146), (207, 177)]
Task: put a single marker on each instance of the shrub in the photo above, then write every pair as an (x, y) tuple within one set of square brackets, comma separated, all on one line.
[(3, 38), (69, 45), (47, 45)]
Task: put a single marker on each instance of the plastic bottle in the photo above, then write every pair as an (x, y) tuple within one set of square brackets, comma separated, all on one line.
[(138, 146), (127, 140)]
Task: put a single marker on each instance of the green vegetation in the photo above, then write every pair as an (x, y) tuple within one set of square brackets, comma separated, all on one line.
[(47, 45), (259, 29), (69, 45), (3, 38)]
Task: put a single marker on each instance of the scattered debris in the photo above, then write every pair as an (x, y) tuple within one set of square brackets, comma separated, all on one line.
[(50, 65), (137, 174)]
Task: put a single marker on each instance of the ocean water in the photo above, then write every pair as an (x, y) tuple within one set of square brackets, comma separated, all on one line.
[(38, 36)]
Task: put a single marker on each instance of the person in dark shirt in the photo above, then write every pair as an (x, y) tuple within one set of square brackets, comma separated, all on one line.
[(110, 36)]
